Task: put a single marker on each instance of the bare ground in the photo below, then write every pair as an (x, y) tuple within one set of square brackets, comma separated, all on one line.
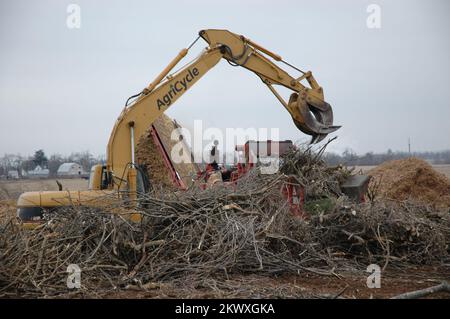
[(393, 282)]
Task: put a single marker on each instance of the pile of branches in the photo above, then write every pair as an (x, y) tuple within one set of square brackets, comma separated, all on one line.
[(217, 233), (383, 232), (307, 167)]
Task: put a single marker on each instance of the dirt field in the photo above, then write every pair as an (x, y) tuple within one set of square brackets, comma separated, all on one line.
[(11, 189), (443, 169), (350, 285)]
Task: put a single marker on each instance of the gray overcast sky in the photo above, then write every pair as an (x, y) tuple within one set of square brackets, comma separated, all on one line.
[(62, 89)]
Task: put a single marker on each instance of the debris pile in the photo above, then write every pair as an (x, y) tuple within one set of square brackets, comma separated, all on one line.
[(7, 209), (309, 170), (412, 179), (206, 236), (4, 194)]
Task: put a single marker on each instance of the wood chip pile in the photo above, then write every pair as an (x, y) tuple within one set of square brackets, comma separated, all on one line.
[(412, 179), (148, 154)]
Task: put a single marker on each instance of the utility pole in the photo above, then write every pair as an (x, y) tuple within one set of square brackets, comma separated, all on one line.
[(409, 146)]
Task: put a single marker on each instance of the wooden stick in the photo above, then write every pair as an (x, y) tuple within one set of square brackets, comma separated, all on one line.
[(444, 286)]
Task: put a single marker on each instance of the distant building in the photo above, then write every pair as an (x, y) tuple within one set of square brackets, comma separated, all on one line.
[(12, 174), (38, 172), (70, 170)]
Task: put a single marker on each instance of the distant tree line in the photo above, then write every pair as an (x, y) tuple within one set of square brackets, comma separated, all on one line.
[(27, 163), (87, 160), (348, 157)]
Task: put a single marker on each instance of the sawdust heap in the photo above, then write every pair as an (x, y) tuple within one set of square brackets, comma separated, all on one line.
[(148, 154), (414, 179)]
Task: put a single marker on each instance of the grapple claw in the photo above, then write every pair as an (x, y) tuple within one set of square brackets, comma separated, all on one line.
[(315, 117)]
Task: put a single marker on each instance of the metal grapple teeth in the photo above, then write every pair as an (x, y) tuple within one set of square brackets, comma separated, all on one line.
[(316, 117)]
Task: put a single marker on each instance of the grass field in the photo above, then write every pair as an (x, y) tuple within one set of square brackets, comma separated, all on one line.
[(443, 169), (11, 189)]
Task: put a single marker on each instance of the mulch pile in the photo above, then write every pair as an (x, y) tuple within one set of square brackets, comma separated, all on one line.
[(149, 156), (412, 179)]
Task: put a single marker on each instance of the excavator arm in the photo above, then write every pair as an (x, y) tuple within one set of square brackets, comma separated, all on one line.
[(311, 114)]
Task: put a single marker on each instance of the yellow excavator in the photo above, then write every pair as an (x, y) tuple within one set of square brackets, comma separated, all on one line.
[(120, 177)]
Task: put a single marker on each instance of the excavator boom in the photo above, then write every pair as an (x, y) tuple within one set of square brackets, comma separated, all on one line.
[(311, 114), (309, 111)]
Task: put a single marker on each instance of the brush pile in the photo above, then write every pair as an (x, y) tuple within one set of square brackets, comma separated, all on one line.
[(198, 235)]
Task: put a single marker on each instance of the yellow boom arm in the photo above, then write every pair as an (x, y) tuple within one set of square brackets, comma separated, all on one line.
[(311, 114)]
